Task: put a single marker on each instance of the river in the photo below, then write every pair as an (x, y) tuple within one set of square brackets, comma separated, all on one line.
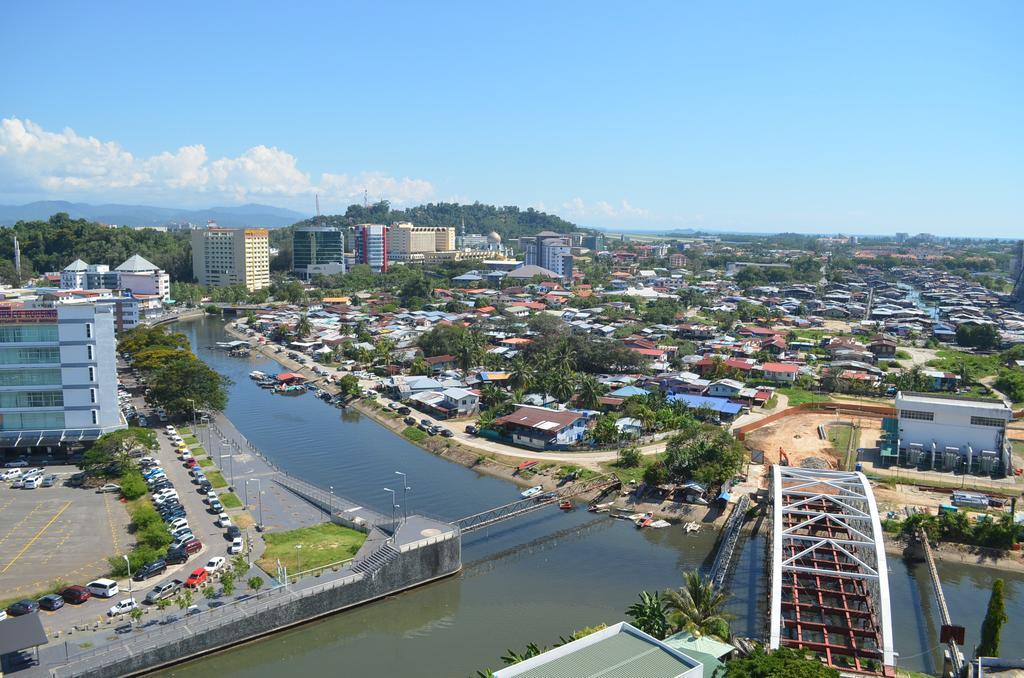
[(530, 580)]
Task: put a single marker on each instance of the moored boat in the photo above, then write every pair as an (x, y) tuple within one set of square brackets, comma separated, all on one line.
[(526, 494), (644, 520)]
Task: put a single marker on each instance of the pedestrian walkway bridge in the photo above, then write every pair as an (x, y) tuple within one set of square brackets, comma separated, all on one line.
[(602, 483), (829, 589)]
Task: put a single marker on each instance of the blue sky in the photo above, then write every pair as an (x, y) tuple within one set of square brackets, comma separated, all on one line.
[(797, 116)]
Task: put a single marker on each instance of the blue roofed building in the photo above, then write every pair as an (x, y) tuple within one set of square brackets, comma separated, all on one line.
[(725, 408)]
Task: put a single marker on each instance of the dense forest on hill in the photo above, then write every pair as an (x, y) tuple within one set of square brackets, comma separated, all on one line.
[(53, 244)]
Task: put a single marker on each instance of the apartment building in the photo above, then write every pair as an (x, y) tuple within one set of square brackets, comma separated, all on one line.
[(317, 250), (549, 250), (231, 256), (58, 377), (370, 246), (407, 242)]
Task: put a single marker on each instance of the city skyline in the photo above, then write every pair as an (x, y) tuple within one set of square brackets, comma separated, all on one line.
[(866, 120)]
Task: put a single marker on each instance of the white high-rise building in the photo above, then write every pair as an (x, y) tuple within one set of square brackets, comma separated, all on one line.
[(58, 375)]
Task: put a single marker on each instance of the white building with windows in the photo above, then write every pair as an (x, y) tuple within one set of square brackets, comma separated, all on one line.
[(58, 375), (938, 431)]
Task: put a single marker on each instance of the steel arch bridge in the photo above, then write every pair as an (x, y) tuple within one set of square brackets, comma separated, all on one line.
[(829, 590)]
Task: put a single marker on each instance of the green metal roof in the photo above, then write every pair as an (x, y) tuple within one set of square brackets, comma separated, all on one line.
[(619, 656)]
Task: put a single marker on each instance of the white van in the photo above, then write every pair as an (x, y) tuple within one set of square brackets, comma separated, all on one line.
[(103, 588)]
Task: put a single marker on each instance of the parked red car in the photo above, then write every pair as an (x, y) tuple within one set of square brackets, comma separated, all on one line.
[(76, 595), (197, 577), (191, 463)]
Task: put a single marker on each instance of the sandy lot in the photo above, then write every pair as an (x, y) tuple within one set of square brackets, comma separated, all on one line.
[(798, 436)]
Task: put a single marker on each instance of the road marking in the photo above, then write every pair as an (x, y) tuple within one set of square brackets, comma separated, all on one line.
[(14, 528), (110, 522), (38, 534)]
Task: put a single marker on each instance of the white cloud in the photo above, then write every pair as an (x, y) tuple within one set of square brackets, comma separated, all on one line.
[(602, 209), (65, 164)]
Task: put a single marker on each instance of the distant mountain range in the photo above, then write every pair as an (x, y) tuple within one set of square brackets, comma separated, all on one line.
[(146, 215)]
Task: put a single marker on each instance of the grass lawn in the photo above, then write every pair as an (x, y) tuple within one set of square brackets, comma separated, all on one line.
[(845, 440), (414, 434), (321, 545), (230, 500), (197, 450), (216, 479), (626, 474), (979, 365), (190, 439), (206, 462), (798, 396)]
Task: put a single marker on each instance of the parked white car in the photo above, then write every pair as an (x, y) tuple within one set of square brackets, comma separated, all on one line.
[(122, 607), (236, 546), (215, 565), (224, 520)]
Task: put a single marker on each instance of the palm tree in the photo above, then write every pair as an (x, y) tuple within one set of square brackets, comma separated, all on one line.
[(649, 615), (520, 376), (565, 356), (494, 397), (383, 350), (590, 392), (303, 328), (511, 657), (486, 419), (697, 607), (563, 385)]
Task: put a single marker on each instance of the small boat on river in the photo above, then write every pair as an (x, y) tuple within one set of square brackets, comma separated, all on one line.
[(256, 375), (644, 520), (691, 527), (566, 505), (526, 494)]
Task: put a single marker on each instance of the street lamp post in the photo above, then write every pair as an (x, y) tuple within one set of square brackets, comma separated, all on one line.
[(332, 499), (405, 493), (394, 518), (129, 564)]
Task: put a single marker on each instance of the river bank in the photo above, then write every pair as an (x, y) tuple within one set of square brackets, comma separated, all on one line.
[(993, 559), (447, 448), (490, 463)]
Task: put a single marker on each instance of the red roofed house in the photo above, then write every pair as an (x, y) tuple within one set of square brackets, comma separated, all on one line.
[(780, 372), (541, 428)]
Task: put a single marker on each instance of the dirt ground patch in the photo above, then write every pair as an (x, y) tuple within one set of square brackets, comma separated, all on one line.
[(798, 436)]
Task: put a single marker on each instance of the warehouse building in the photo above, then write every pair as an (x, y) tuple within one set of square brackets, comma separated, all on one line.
[(949, 433)]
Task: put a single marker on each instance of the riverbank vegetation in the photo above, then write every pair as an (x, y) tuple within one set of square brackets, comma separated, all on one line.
[(985, 531), (178, 381), (308, 548)]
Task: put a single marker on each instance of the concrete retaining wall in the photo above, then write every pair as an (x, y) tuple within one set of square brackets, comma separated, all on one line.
[(412, 568)]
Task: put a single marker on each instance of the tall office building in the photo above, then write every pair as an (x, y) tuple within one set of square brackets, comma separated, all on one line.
[(370, 246), (317, 250), (58, 376), (549, 250), (231, 256)]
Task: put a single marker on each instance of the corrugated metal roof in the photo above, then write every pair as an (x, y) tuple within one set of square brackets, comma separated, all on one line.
[(619, 656)]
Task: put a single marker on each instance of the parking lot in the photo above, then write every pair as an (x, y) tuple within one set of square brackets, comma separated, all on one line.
[(56, 532)]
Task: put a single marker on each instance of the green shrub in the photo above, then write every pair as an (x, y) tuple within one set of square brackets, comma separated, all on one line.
[(133, 485)]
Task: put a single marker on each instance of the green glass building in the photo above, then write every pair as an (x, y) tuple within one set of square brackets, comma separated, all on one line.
[(317, 250)]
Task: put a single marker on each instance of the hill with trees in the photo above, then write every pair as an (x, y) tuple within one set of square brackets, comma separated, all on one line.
[(53, 244)]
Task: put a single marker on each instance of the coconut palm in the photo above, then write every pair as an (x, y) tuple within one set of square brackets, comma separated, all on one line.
[(698, 607), (649, 615), (520, 376), (563, 386), (590, 392), (303, 328)]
